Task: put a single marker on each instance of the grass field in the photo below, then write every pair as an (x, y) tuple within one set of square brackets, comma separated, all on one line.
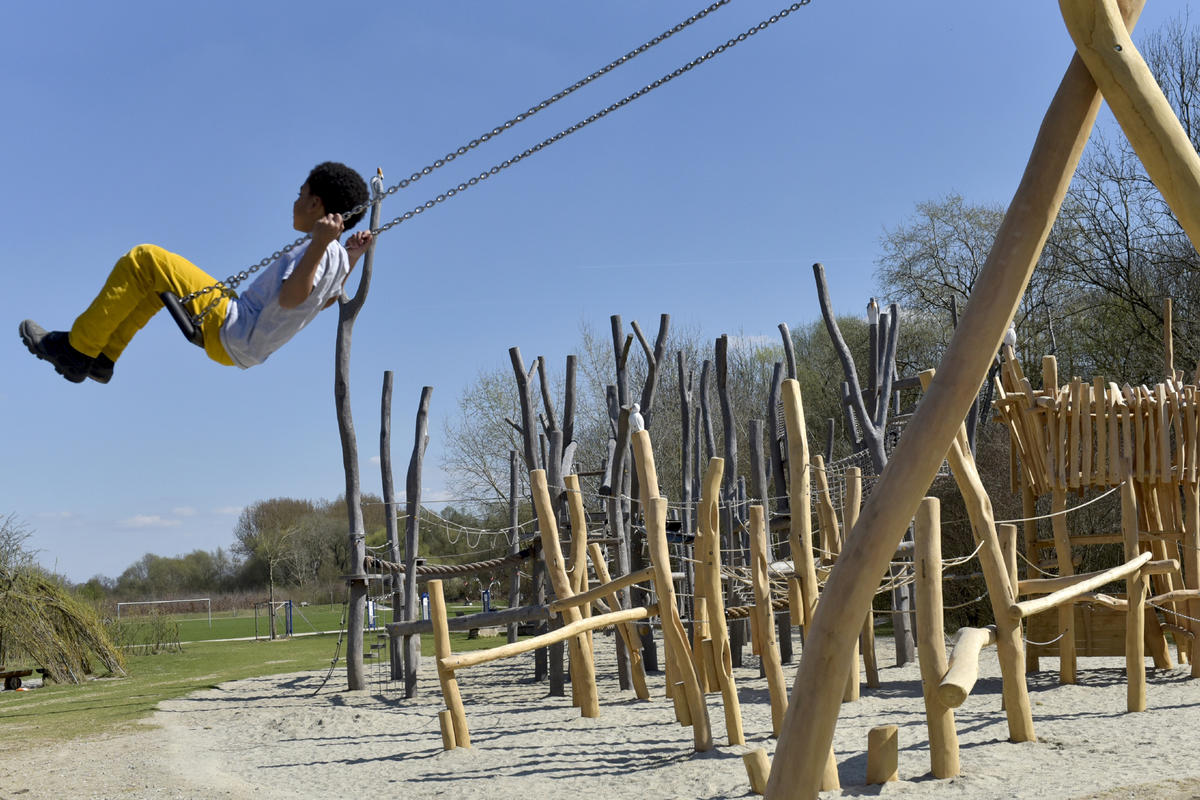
[(240, 624), (111, 704)]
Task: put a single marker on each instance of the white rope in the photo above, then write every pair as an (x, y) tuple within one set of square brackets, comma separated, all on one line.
[(1045, 644), (1064, 512)]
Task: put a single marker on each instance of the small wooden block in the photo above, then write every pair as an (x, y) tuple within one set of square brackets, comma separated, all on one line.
[(758, 767), (882, 754), (446, 720)]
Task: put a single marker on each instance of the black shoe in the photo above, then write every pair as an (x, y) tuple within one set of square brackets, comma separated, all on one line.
[(102, 369), (55, 348)]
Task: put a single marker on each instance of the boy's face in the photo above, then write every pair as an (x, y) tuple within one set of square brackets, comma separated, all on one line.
[(307, 209)]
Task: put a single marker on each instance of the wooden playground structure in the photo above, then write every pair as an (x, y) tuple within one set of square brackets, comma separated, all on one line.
[(1075, 437)]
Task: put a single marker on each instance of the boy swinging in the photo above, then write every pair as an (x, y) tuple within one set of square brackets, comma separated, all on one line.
[(242, 331)]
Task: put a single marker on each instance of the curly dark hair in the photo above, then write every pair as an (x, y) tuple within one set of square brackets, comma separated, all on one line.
[(340, 189)]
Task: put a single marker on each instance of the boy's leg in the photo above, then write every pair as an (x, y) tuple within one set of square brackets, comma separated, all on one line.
[(130, 298)]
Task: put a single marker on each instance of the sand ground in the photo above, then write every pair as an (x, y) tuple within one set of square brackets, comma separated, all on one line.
[(274, 737)]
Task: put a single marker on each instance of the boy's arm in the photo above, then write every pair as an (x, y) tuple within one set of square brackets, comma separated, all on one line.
[(356, 245), (299, 285)]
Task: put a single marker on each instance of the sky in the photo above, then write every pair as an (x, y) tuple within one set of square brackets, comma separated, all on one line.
[(192, 125)]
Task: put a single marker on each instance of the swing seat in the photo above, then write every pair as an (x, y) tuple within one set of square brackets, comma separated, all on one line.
[(183, 319)]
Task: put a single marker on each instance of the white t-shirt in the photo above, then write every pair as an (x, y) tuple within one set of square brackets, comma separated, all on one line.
[(256, 325)]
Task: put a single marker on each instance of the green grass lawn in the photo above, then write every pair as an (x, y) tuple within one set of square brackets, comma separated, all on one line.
[(305, 619), (115, 704)]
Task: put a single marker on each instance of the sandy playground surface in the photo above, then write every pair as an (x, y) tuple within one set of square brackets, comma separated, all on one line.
[(272, 738)]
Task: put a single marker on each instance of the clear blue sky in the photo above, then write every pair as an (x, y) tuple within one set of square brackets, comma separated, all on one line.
[(192, 126)]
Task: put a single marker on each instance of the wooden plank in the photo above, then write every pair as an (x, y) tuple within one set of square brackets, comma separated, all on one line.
[(1100, 405), (1085, 411), (1111, 401), (1074, 413)]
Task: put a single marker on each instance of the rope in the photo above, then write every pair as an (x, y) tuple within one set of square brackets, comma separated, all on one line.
[(1045, 644), (1064, 512), (371, 562), (337, 650)]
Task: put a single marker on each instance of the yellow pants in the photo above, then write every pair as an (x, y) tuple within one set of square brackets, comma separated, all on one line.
[(130, 298)]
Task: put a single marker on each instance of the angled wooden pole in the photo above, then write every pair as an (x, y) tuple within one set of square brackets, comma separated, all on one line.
[(803, 596), (708, 553), (628, 632), (1138, 103), (675, 644), (583, 669), (768, 647), (812, 714), (441, 646)]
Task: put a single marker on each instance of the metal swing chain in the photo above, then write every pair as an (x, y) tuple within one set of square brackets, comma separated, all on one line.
[(716, 51), (227, 286)]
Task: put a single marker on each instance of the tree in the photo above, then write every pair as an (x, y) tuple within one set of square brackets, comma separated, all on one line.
[(263, 533)]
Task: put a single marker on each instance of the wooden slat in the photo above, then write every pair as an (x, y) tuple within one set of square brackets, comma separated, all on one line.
[(1085, 433), (1100, 404)]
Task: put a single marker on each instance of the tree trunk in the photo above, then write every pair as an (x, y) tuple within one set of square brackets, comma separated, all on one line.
[(347, 313)]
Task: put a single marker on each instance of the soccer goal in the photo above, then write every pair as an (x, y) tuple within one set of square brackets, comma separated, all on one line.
[(195, 601)]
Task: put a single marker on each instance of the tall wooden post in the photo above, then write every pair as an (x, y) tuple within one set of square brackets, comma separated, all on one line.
[(347, 312), (514, 546), (412, 539), (931, 642), (396, 659), (582, 666), (1135, 619), (441, 648), (768, 647), (804, 588), (708, 553)]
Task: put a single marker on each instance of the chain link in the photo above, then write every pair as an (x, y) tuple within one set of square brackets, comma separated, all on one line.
[(665, 79), (227, 286)]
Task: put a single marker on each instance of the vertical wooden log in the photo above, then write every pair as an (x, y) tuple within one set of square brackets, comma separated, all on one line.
[(800, 502), (1191, 567), (1100, 404), (1066, 612), (883, 754), (627, 630), (931, 642), (675, 644), (582, 669), (851, 500), (768, 648), (1135, 620), (552, 457), (348, 310), (578, 575), (441, 647), (758, 768), (686, 494), (777, 438), (514, 545), (412, 540), (708, 551), (446, 723), (395, 658), (729, 487)]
